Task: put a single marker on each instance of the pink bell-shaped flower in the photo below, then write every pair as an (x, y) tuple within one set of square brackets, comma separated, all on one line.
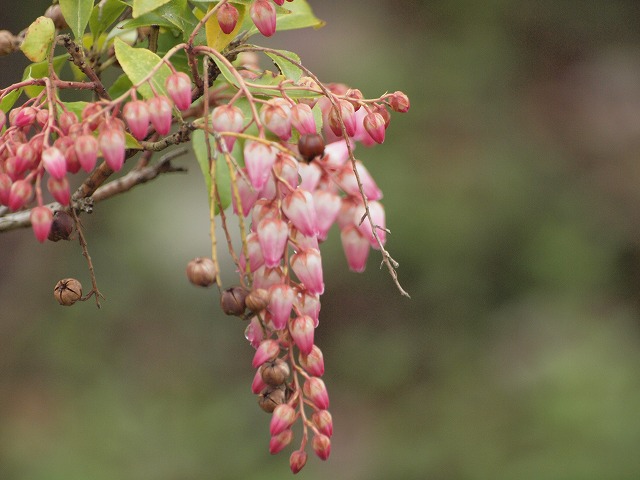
[(377, 215), (265, 277), (327, 205), (278, 442), (178, 86), (356, 247), (5, 188), (297, 461), (254, 334), (256, 260), (302, 332), (299, 207), (308, 304), (267, 350), (258, 159), (321, 445), (375, 127), (112, 142), (307, 265), (54, 162), (316, 391), (248, 195), (272, 235), (348, 117), (282, 418), (310, 174), (323, 421), (136, 113), (263, 14), (281, 298), (227, 16), (335, 154), (258, 384), (41, 220), (313, 363), (60, 190), (302, 119), (349, 183), (19, 194), (160, 114), (227, 118), (277, 118), (86, 148)]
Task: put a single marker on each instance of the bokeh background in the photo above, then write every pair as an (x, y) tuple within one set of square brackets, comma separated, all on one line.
[(512, 192)]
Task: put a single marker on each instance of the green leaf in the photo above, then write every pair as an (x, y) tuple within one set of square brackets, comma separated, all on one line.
[(175, 15), (297, 15), (287, 68), (140, 7), (216, 38), (38, 39), (9, 99), (131, 142), (75, 107), (76, 13), (41, 70), (120, 86), (223, 182), (137, 63), (103, 15)]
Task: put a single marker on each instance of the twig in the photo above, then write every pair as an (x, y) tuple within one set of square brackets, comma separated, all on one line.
[(78, 58), (85, 252)]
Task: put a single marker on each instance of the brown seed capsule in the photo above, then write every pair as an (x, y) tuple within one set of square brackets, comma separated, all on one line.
[(62, 226), (311, 146), (202, 271), (68, 291), (257, 300), (275, 373), (271, 397), (8, 42), (233, 299), (55, 13)]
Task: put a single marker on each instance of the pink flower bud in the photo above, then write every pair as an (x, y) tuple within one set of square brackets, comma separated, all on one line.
[(287, 169), (254, 333), (263, 209), (346, 215), (298, 206), (281, 298), (302, 118), (356, 248), (112, 142), (323, 421), (41, 220), (54, 162), (310, 176), (178, 86), (277, 118), (307, 266), (3, 119), (24, 117), (308, 304), (71, 159), (248, 195), (5, 188), (258, 159), (256, 260), (349, 183), (301, 241), (316, 391), (258, 383), (66, 120), (86, 148), (335, 154), (374, 125), (27, 154), (60, 190), (313, 363), (327, 205), (272, 235), (399, 102), (297, 461), (302, 332), (136, 113), (321, 445), (227, 16), (377, 215), (283, 417), (267, 277), (91, 115), (278, 442), (263, 14), (19, 194), (267, 350), (15, 167), (348, 117), (160, 113), (279, 2), (227, 118), (42, 117)]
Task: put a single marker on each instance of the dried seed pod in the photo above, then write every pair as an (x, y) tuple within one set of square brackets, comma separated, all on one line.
[(62, 226), (275, 373), (233, 299), (311, 146), (257, 300), (202, 271), (55, 13), (271, 397), (68, 291)]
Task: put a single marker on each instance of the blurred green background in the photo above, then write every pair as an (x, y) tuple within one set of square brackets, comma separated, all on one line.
[(511, 189)]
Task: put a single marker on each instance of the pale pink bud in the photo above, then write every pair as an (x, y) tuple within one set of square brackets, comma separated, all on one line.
[(25, 117), (258, 383), (265, 277), (263, 14), (310, 176), (248, 195), (307, 266), (377, 215), (112, 142), (356, 248), (316, 391), (19, 194), (136, 113), (302, 332), (287, 169), (321, 445), (267, 350), (399, 102), (160, 114), (301, 241), (5, 188), (42, 117), (71, 159), (348, 117), (178, 86), (15, 167), (227, 118), (283, 417), (27, 153), (302, 118), (309, 304), (41, 220), (256, 260), (272, 235), (254, 333), (91, 115), (361, 134), (54, 162), (297, 461), (327, 205), (66, 120), (277, 118), (227, 16), (60, 190), (336, 154), (313, 363), (298, 206), (323, 421), (263, 209), (278, 442), (86, 147), (347, 212), (268, 191), (281, 298), (374, 125), (259, 159), (349, 183)]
